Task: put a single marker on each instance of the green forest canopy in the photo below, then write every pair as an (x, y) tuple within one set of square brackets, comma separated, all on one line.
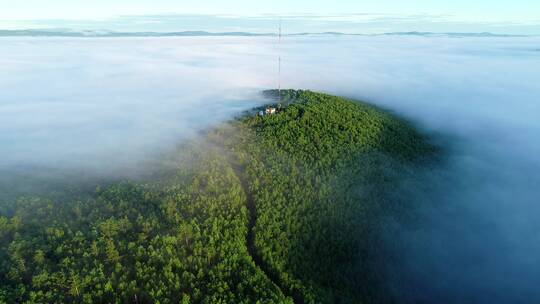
[(280, 208)]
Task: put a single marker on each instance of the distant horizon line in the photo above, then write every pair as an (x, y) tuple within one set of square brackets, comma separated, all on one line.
[(65, 32)]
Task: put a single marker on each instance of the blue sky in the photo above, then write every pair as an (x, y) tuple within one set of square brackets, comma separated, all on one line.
[(504, 16)]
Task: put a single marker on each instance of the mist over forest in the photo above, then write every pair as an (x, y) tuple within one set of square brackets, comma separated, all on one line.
[(109, 106)]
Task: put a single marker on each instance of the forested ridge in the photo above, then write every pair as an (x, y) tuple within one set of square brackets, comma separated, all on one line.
[(277, 208)]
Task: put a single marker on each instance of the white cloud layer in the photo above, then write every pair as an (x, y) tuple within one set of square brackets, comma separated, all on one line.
[(107, 102)]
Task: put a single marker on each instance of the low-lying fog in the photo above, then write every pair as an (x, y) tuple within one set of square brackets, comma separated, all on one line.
[(103, 104)]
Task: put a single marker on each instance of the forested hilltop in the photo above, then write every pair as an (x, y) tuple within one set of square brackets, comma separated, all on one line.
[(279, 208)]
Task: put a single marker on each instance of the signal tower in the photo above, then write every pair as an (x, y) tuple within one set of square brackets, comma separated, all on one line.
[(279, 62)]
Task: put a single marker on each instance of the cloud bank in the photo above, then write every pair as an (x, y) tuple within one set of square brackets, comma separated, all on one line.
[(106, 103), (110, 103)]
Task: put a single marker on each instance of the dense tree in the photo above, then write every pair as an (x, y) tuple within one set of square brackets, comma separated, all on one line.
[(179, 241), (320, 172)]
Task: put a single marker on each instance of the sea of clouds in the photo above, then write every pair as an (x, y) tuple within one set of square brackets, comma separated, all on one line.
[(104, 104)]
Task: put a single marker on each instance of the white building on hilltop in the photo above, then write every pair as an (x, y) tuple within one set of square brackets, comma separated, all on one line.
[(270, 111)]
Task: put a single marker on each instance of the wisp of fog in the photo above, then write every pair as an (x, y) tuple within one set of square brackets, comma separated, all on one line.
[(103, 104)]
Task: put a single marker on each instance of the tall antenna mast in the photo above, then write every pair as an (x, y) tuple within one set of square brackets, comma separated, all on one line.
[(279, 61)]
